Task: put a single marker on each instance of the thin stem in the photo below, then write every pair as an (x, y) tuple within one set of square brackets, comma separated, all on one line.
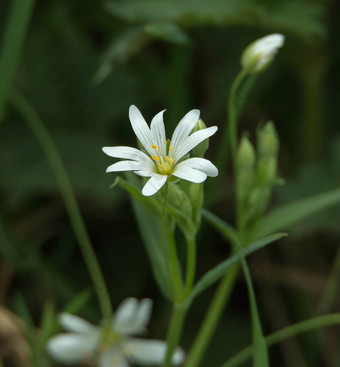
[(176, 325), (177, 279), (286, 333), (191, 266), (18, 20), (47, 144), (212, 318), (165, 198), (229, 135)]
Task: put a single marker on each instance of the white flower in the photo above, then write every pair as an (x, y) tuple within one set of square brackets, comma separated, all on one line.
[(259, 54), (113, 346), (163, 158)]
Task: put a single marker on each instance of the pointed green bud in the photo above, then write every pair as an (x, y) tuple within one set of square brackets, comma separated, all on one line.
[(245, 171), (246, 154), (201, 148), (266, 171), (267, 140), (259, 54)]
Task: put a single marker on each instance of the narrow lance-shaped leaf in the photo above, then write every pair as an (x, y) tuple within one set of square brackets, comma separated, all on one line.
[(216, 273), (289, 215)]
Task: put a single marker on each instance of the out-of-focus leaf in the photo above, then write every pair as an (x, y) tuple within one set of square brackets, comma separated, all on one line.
[(299, 17), (149, 219), (78, 302), (216, 273), (168, 32), (127, 44), (289, 215), (47, 328)]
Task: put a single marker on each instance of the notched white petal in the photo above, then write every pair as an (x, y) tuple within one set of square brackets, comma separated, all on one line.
[(150, 352), (190, 174), (126, 166), (154, 184), (184, 128), (141, 128), (112, 358), (76, 324), (72, 348), (126, 153), (200, 164)]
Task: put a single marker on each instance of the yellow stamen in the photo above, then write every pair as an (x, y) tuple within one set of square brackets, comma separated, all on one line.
[(155, 158), (165, 141), (154, 146), (171, 148)]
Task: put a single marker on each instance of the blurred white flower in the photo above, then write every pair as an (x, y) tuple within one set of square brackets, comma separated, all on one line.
[(113, 346), (163, 158), (259, 54)]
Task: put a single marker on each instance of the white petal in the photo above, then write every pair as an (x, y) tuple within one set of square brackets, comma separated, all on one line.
[(184, 128), (193, 140), (127, 166), (76, 324), (126, 153), (144, 173), (112, 358), (71, 348), (154, 184), (123, 321), (143, 314), (200, 164), (190, 174), (158, 131), (141, 128), (150, 352)]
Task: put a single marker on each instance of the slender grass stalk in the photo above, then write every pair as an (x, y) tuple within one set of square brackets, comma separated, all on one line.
[(191, 267), (332, 287), (212, 318), (41, 133), (176, 325), (16, 28), (286, 333)]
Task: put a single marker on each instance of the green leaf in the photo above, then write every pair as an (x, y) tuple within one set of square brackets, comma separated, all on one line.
[(168, 32), (216, 273), (289, 215), (154, 238), (286, 333), (48, 325), (148, 202), (78, 302), (261, 358), (298, 17), (126, 45)]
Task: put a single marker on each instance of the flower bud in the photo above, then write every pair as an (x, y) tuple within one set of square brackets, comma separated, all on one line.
[(267, 140), (245, 171), (259, 54), (201, 148), (246, 154)]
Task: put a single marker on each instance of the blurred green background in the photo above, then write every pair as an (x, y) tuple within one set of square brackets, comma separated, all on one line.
[(82, 65)]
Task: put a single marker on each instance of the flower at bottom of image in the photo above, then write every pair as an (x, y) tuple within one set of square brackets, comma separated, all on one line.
[(113, 346)]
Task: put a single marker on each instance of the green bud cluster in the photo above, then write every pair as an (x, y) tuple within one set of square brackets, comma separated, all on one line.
[(257, 172)]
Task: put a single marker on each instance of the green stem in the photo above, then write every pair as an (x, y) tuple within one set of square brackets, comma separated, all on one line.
[(286, 333), (175, 330), (47, 144), (177, 279), (229, 135), (191, 266), (165, 199), (18, 20), (212, 318)]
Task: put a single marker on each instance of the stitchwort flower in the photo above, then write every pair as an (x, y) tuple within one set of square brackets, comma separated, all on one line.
[(113, 346), (163, 158), (259, 54)]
